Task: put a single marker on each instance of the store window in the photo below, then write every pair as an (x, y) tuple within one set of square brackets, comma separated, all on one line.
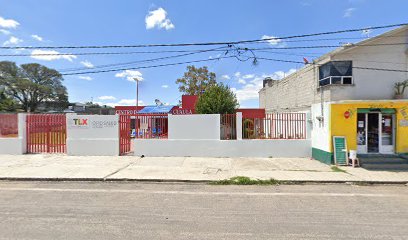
[(336, 72)]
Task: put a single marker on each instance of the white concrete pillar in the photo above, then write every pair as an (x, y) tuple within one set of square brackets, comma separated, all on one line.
[(22, 131), (239, 125)]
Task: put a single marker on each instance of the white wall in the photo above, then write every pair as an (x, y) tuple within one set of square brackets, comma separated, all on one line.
[(98, 136), (371, 84), (18, 145), (197, 126), (222, 148), (320, 132)]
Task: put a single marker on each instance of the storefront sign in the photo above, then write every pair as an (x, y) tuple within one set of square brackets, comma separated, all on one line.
[(182, 111), (85, 123), (403, 123), (126, 112)]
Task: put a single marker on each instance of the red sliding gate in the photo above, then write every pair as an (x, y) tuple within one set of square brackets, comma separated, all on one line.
[(146, 126), (46, 133), (124, 134)]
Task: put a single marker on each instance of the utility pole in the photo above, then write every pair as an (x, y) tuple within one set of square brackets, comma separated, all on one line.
[(137, 94)]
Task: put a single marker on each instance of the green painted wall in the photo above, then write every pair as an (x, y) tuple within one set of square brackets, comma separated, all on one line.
[(322, 156)]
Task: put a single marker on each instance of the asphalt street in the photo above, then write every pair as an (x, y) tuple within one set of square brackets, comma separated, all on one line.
[(131, 210)]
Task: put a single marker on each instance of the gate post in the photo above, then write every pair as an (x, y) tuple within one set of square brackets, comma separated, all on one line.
[(22, 131), (239, 125)]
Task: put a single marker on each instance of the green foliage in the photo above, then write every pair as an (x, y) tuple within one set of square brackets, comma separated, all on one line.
[(7, 104), (217, 99), (196, 80), (337, 169), (248, 126), (240, 180), (400, 87), (32, 84)]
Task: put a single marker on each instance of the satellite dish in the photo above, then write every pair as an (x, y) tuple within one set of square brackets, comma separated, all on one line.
[(158, 102)]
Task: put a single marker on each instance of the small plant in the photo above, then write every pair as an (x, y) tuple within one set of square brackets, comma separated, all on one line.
[(399, 88), (337, 169), (240, 180)]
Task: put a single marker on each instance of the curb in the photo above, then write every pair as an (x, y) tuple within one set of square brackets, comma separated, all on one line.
[(282, 182)]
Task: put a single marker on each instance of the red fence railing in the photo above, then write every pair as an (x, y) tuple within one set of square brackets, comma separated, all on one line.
[(124, 134), (46, 133), (8, 125), (228, 126), (150, 126), (275, 126)]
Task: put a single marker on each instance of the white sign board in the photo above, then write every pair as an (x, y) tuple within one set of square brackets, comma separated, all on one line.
[(92, 126)]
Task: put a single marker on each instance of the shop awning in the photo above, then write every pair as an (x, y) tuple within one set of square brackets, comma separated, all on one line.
[(382, 110)]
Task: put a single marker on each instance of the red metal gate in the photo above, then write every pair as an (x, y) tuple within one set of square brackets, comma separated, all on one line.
[(124, 134), (46, 133)]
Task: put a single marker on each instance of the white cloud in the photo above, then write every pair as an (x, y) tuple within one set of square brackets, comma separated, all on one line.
[(165, 86), (272, 40), (87, 78), (130, 75), (36, 37), (225, 77), (87, 64), (237, 74), (242, 81), (248, 76), (50, 55), (13, 41), (5, 32), (8, 23), (158, 18), (125, 102), (107, 98), (250, 90), (349, 12)]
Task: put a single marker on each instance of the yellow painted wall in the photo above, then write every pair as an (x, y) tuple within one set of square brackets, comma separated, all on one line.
[(341, 126)]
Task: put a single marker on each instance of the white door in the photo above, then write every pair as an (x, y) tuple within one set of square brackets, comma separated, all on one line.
[(387, 133), (362, 133)]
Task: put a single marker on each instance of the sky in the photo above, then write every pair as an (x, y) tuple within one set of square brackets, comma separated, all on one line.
[(128, 22)]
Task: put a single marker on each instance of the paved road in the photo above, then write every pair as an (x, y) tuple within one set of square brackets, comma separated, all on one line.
[(30, 210)]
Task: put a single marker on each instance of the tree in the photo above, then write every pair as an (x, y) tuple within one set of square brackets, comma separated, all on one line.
[(196, 80), (32, 84), (217, 98), (7, 104)]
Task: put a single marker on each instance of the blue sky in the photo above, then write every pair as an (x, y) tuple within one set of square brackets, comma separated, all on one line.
[(127, 22)]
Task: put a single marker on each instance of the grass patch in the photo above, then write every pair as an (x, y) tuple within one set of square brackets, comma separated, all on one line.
[(337, 169), (240, 180)]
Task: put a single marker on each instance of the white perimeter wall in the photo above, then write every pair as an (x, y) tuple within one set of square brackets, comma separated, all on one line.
[(99, 137), (196, 126), (222, 148), (16, 146), (321, 130)]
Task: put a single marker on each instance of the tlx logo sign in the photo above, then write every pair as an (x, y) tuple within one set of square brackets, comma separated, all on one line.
[(80, 122)]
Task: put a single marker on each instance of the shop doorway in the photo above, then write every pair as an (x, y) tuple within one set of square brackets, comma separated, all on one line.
[(375, 133)]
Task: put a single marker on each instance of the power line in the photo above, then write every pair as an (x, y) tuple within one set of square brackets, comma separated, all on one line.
[(210, 50), (316, 64), (209, 43), (139, 61), (144, 67)]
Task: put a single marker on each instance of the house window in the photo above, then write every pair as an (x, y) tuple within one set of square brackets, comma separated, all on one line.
[(336, 72)]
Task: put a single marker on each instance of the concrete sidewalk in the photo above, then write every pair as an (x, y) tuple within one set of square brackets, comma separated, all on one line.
[(62, 167)]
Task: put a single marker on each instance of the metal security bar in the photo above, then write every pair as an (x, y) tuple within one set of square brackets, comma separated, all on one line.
[(228, 126), (275, 126), (150, 126), (46, 133), (124, 134), (8, 126)]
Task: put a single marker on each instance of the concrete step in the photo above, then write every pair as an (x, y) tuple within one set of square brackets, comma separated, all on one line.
[(385, 167), (394, 160)]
